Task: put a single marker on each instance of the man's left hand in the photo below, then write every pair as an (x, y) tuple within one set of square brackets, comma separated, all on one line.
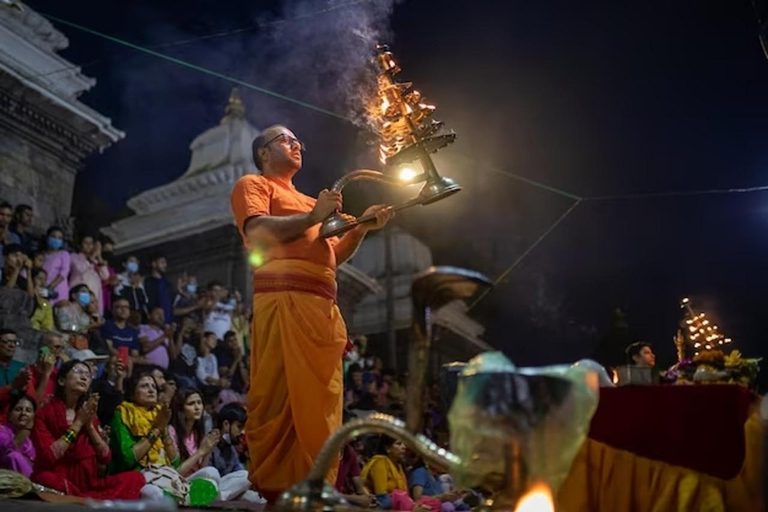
[(383, 214)]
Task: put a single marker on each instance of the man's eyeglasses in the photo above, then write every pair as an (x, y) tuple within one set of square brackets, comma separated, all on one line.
[(286, 139), (10, 341)]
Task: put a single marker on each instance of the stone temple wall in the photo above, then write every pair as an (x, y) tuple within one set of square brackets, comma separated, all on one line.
[(31, 175)]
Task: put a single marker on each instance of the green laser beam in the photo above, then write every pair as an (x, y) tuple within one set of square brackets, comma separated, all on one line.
[(520, 258), (535, 183), (263, 90), (195, 67)]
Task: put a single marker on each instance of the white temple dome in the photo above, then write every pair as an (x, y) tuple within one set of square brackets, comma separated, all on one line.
[(228, 144)]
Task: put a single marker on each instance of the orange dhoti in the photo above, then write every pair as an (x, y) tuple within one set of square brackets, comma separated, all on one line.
[(296, 387)]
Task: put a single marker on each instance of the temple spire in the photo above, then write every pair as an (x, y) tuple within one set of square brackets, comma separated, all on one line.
[(235, 108)]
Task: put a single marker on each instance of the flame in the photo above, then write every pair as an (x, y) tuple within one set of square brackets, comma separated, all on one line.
[(384, 104), (407, 174), (538, 499), (615, 376)]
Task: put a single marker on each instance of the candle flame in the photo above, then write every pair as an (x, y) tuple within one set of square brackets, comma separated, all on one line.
[(538, 499)]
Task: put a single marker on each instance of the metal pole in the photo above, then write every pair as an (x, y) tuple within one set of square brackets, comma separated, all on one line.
[(390, 289)]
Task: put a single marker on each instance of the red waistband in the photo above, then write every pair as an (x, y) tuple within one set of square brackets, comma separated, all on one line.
[(267, 282)]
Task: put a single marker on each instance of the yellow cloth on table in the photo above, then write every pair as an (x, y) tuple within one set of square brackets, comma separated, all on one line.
[(604, 479), (296, 387)]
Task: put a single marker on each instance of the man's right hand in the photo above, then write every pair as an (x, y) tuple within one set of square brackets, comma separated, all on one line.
[(327, 202), (20, 382), (46, 363)]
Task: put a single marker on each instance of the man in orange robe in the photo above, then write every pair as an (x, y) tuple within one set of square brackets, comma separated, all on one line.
[(296, 385)]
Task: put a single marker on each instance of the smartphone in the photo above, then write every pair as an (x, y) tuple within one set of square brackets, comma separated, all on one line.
[(122, 355), (44, 351)]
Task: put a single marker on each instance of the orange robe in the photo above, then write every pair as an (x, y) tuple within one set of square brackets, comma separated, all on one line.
[(296, 385)]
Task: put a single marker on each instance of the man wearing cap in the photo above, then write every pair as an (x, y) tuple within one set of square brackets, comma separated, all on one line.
[(90, 358)]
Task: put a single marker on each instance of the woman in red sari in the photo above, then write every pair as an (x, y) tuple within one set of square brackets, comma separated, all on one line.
[(69, 444)]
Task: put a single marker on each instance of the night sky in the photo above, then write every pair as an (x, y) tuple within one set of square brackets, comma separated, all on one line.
[(603, 99)]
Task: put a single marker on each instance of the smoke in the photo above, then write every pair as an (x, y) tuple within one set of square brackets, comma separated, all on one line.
[(316, 51), (328, 55)]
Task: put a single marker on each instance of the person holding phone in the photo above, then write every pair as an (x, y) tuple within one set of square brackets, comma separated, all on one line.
[(120, 336), (43, 373), (111, 387)]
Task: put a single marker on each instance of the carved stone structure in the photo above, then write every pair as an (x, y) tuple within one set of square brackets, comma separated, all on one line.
[(45, 131)]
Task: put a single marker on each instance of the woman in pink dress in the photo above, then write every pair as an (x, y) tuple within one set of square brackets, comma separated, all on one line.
[(16, 450), (89, 268), (56, 264), (187, 430)]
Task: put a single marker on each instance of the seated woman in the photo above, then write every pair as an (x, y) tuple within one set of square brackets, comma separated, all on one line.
[(16, 450), (141, 441), (77, 317), (69, 443), (195, 447), (385, 477), (423, 483)]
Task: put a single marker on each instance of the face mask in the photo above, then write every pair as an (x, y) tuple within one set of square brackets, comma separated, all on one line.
[(232, 302), (192, 288), (226, 438), (84, 298), (107, 255), (44, 293), (132, 267), (55, 243)]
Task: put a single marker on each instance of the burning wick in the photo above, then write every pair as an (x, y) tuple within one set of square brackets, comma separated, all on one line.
[(407, 174), (538, 499)]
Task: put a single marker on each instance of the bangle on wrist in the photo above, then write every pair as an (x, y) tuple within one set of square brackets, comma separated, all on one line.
[(69, 436)]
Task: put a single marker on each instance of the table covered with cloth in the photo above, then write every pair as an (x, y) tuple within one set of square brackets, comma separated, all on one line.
[(669, 449)]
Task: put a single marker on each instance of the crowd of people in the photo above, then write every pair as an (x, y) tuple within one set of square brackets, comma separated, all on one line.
[(139, 385)]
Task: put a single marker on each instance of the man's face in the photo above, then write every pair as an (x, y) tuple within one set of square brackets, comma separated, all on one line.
[(217, 292), (235, 430), (55, 345), (161, 265), (284, 150), (5, 217), (646, 358), (121, 310), (26, 218), (14, 260), (8, 345), (230, 342)]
